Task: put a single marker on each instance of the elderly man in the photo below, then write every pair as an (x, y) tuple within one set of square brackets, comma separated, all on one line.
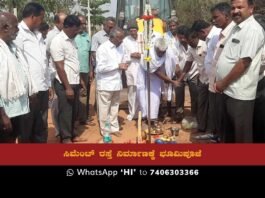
[(109, 83), (159, 53), (65, 57), (15, 85), (238, 72), (169, 35)]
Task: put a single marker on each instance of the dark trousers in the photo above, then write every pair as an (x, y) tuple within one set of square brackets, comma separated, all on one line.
[(35, 122), (203, 106), (68, 111), (215, 112), (83, 112), (259, 114), (238, 120), (18, 124), (180, 95)]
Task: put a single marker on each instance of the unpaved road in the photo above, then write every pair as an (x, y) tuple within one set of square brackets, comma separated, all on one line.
[(129, 128)]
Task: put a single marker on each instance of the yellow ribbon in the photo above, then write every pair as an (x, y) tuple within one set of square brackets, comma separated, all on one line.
[(148, 59)]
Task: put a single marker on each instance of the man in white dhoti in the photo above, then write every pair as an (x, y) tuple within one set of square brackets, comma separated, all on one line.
[(170, 65), (158, 55), (134, 74), (15, 85)]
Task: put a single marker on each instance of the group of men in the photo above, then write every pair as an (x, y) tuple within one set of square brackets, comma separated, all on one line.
[(221, 62), (32, 67)]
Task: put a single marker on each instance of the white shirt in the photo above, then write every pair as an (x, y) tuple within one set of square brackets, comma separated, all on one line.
[(98, 38), (170, 39), (246, 40), (19, 103), (130, 46), (32, 46), (262, 66), (198, 55), (50, 36), (211, 42), (64, 49), (217, 52), (108, 74), (182, 56)]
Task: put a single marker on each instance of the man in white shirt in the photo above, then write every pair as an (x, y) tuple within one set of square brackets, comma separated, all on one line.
[(210, 34), (31, 43), (97, 39), (64, 54), (109, 83), (221, 17), (134, 74), (169, 35), (58, 26), (191, 79), (101, 37), (15, 85), (196, 53), (238, 72)]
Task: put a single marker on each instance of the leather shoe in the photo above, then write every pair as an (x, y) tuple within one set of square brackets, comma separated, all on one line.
[(117, 134), (208, 136), (87, 122)]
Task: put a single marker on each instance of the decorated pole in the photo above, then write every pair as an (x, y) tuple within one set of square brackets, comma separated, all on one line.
[(88, 18), (148, 26)]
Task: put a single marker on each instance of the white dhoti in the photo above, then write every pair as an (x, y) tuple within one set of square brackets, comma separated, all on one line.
[(155, 95), (141, 96)]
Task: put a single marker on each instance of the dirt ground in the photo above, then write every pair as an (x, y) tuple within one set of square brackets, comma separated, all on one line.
[(129, 128)]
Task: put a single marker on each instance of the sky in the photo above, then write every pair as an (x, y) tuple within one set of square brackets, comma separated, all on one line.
[(112, 7)]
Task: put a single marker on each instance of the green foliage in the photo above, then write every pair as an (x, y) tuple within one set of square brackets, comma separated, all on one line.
[(190, 10), (54, 6), (96, 12), (260, 6), (50, 6), (9, 5)]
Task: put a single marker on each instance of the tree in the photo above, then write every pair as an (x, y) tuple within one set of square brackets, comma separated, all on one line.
[(9, 5), (53, 6), (96, 12), (50, 6), (260, 6), (189, 10)]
